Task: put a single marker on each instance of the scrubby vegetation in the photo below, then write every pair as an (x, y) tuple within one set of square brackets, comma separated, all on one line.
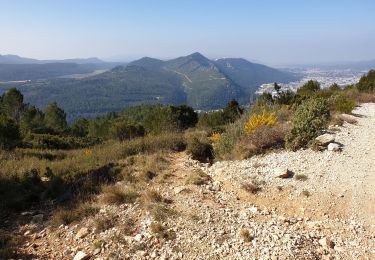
[(119, 156)]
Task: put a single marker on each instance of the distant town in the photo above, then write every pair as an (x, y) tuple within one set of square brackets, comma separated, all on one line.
[(342, 77)]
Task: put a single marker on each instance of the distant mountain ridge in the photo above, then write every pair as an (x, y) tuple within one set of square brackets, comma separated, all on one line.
[(15, 59), (16, 68), (211, 83), (193, 79)]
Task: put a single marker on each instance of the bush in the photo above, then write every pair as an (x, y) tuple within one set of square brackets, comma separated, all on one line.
[(118, 195), (10, 245), (197, 177), (200, 151), (257, 120), (262, 139), (343, 104), (224, 147), (9, 133), (161, 232), (309, 88), (229, 114), (68, 215), (307, 122), (125, 131), (47, 141), (367, 82), (103, 224)]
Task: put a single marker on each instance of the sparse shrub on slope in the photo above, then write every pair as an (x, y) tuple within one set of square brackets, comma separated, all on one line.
[(343, 104), (224, 147), (123, 130), (200, 151), (367, 82), (307, 122), (261, 140), (9, 133)]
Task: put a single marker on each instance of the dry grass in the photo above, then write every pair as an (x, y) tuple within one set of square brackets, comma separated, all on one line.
[(161, 232), (365, 98), (348, 118), (118, 195), (74, 162), (150, 166), (198, 177), (336, 120), (260, 140), (152, 196), (68, 215), (306, 193), (245, 235), (160, 212), (105, 223), (300, 177), (251, 187), (9, 245)]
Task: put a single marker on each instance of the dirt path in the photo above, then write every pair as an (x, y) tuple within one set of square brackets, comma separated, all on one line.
[(338, 182)]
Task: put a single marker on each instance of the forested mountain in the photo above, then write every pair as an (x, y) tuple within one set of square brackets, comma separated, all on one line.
[(109, 91), (194, 80), (250, 75)]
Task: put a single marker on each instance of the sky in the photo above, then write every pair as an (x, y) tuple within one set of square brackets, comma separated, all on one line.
[(273, 32)]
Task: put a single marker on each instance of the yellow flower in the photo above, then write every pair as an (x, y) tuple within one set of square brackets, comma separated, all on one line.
[(215, 137), (87, 152), (257, 120)]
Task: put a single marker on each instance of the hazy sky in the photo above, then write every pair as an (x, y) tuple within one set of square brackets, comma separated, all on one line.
[(273, 32)]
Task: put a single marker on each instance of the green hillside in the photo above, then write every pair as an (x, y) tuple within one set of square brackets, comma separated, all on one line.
[(194, 80), (110, 91), (206, 87), (250, 75)]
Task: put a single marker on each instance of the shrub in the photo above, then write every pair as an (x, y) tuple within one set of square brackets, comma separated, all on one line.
[(9, 245), (72, 214), (268, 137), (103, 224), (257, 120), (125, 131), (47, 141), (285, 97), (212, 119), (200, 151), (309, 88), (343, 104), (300, 177), (262, 139), (307, 122), (224, 147), (9, 133), (229, 114), (152, 196), (252, 187), (161, 232), (197, 177), (367, 82), (160, 212), (118, 195), (185, 115), (245, 235), (19, 192)]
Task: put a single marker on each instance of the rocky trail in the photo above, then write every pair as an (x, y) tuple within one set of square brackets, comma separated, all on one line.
[(324, 208)]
